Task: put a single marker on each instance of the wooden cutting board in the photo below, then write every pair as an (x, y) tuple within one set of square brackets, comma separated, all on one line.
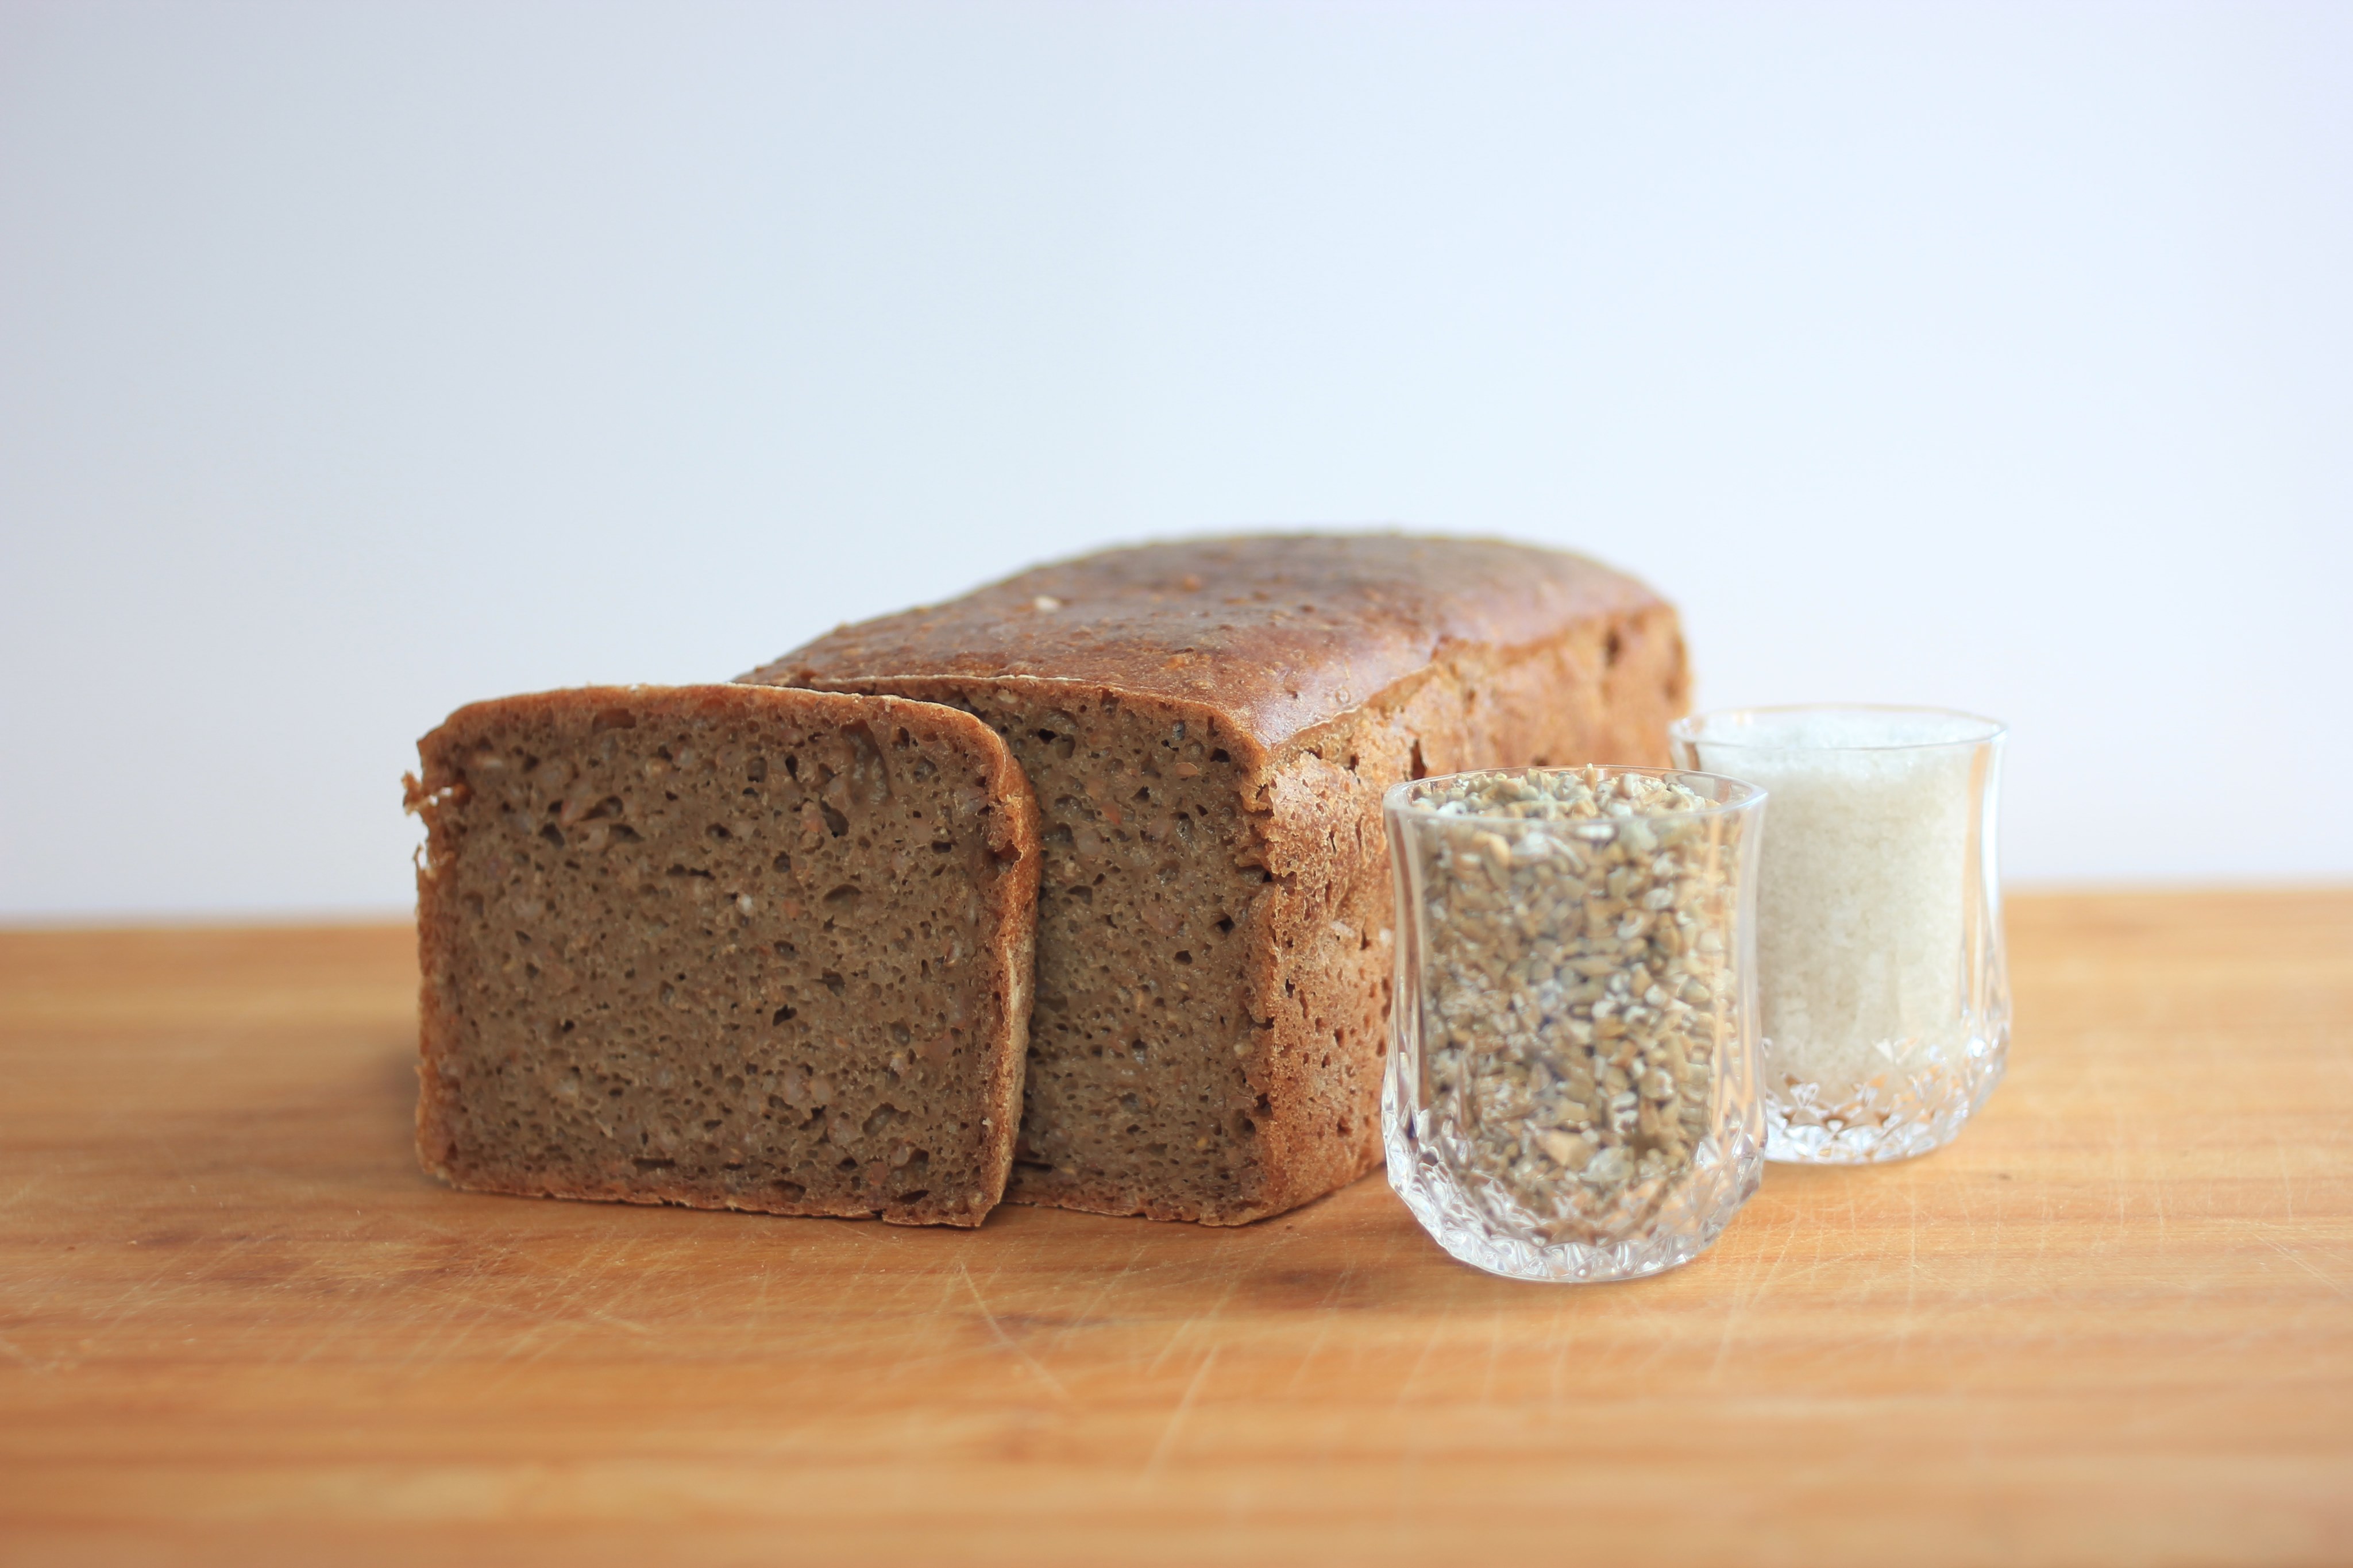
[(2114, 1321)]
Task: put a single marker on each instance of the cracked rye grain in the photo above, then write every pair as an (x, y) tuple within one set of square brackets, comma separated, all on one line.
[(1578, 990)]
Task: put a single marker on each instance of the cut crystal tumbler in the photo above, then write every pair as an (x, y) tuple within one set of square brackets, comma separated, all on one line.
[(1572, 1088), (1885, 1003)]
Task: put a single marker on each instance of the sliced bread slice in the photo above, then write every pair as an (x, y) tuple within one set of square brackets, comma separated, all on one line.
[(726, 946)]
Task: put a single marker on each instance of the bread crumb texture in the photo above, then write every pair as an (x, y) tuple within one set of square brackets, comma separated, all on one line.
[(726, 947)]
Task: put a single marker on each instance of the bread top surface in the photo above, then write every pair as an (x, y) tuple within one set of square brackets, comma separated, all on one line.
[(1010, 828), (1011, 831), (1279, 631)]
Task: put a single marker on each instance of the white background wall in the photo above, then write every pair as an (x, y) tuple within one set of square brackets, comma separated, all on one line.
[(359, 360)]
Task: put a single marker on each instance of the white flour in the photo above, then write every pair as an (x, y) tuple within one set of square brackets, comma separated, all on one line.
[(1862, 897)]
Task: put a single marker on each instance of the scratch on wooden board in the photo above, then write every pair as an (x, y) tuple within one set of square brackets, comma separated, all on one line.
[(1160, 1450), (1429, 1343), (1314, 1347), (139, 1295), (587, 1264), (2299, 1259), (1008, 1340), (1498, 1348), (1203, 1320), (1110, 1282), (1912, 1265), (1736, 1310), (1323, 1318), (915, 1350), (32, 1362), (451, 1334)]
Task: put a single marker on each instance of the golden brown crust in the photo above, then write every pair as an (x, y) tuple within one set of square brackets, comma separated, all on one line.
[(1279, 631), (1011, 832)]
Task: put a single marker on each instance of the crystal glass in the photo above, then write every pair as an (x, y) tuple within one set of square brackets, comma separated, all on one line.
[(1572, 1088), (1885, 1000)]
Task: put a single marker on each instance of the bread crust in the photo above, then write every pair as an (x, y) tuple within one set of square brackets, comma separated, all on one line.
[(1337, 665), (439, 794), (1279, 633)]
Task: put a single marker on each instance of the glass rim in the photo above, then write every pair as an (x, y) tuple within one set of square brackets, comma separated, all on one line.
[(1688, 727), (1744, 795)]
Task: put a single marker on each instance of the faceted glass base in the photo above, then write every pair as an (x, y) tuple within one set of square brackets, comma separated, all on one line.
[(1487, 1232), (1895, 1116)]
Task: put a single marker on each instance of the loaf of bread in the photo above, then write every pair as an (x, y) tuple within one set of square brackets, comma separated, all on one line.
[(726, 946), (1208, 727)]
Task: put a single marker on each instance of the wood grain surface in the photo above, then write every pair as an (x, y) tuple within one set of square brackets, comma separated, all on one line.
[(2114, 1322)]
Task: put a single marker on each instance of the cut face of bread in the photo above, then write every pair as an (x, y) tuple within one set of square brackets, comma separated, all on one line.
[(726, 946)]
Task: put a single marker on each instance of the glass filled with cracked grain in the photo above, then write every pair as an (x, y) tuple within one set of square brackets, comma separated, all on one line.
[(1573, 1087)]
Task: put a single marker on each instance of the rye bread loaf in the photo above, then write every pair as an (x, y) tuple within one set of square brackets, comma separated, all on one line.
[(1208, 727), (724, 946)]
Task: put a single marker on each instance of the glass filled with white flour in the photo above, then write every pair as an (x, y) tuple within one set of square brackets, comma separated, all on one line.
[(1572, 1092), (1885, 998)]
